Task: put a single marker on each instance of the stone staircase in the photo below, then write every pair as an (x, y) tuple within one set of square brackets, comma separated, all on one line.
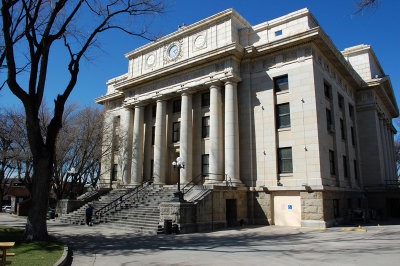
[(138, 212)]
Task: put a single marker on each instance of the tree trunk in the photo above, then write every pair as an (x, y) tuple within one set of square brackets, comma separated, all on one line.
[(36, 227)]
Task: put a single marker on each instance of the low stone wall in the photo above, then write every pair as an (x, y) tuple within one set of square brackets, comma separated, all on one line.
[(65, 206)]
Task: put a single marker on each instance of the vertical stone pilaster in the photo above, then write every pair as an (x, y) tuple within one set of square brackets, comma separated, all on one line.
[(383, 150), (186, 137), (137, 150), (231, 134), (216, 136), (160, 143)]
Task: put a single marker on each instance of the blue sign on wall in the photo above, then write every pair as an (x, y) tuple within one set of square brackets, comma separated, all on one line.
[(289, 207)]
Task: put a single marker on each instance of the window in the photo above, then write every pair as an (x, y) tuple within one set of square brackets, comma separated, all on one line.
[(176, 128), (205, 128), (154, 111), (332, 162), (355, 169), (353, 140), (278, 33), (341, 101), (345, 167), (153, 134), (205, 99), (351, 111), (342, 131), (285, 160), (329, 123), (281, 83), (282, 115), (327, 90), (205, 163), (114, 172), (176, 106)]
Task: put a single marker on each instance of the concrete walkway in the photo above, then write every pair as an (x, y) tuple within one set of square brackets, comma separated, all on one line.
[(267, 245)]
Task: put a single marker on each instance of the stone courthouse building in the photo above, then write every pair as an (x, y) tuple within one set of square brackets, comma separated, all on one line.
[(282, 127)]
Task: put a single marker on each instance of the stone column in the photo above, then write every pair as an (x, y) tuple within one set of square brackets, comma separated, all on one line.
[(186, 137), (383, 150), (216, 166), (390, 151), (125, 136), (160, 143), (137, 150), (231, 134)]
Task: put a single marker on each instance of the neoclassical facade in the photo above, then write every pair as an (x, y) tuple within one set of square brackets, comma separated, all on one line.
[(301, 131)]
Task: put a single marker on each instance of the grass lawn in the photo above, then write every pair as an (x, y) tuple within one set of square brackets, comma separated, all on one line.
[(30, 253)]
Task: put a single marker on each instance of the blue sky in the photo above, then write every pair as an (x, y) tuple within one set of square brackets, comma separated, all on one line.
[(378, 28)]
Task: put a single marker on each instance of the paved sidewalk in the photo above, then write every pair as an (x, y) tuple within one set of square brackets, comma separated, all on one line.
[(102, 245)]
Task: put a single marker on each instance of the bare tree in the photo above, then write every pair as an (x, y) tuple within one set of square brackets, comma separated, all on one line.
[(366, 4), (33, 27), (80, 149)]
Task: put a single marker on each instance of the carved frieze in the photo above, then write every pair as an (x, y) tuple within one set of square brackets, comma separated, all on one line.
[(199, 41)]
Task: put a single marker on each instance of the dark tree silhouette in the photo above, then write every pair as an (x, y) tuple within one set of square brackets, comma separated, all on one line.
[(29, 29)]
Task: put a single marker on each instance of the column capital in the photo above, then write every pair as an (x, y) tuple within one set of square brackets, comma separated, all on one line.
[(231, 80)]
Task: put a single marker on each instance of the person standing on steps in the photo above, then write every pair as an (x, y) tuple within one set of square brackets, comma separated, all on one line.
[(89, 214)]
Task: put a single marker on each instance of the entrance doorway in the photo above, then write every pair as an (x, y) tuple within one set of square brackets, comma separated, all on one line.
[(231, 212)]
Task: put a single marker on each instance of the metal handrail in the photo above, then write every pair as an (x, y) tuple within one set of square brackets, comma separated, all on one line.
[(202, 180), (115, 203)]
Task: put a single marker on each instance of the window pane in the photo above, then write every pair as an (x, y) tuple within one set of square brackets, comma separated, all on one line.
[(283, 115), (281, 83), (285, 160)]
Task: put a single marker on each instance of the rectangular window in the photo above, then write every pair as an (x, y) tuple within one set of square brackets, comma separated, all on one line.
[(342, 131), (114, 172), (345, 167), (332, 162), (281, 83), (205, 158), (327, 90), (278, 33), (153, 134), (282, 115), (205, 128), (355, 169), (205, 99), (353, 139), (351, 111), (154, 111), (176, 106), (341, 101), (176, 128), (329, 123), (285, 160)]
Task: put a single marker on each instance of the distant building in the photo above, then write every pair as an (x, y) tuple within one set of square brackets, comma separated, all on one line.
[(301, 132)]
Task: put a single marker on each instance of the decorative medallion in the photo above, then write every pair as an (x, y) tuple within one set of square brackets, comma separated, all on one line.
[(200, 41), (151, 58)]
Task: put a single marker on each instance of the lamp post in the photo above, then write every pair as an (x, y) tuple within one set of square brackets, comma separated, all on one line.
[(72, 173), (179, 163)]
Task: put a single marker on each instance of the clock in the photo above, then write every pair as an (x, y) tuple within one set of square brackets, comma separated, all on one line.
[(173, 51)]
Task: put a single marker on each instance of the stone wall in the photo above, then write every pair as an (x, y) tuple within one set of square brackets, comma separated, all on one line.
[(312, 214), (262, 213)]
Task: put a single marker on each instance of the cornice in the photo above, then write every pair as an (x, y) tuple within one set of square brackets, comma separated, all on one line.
[(111, 96), (383, 88)]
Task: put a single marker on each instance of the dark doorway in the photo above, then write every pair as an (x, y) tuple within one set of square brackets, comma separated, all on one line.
[(231, 212)]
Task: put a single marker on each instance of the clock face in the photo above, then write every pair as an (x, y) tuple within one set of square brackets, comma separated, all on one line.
[(173, 51)]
